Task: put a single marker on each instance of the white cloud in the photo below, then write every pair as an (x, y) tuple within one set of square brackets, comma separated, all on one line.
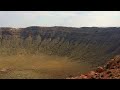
[(96, 18), (58, 18)]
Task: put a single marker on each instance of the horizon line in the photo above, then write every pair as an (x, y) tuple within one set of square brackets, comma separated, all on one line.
[(64, 26)]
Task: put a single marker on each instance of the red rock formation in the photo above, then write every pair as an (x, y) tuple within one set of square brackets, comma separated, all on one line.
[(110, 71)]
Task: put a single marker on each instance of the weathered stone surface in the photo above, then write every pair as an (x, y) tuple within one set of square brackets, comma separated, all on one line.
[(100, 69), (110, 71)]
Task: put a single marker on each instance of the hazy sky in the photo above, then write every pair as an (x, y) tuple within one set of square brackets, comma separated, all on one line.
[(59, 18)]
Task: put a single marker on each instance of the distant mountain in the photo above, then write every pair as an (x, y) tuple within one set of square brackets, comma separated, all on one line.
[(94, 45)]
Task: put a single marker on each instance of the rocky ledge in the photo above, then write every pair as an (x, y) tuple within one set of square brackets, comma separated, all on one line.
[(111, 70)]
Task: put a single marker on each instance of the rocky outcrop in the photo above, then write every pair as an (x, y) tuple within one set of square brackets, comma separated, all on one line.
[(111, 70)]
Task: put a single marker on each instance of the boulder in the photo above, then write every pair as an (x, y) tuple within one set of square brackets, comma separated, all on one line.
[(92, 73), (83, 76), (100, 69)]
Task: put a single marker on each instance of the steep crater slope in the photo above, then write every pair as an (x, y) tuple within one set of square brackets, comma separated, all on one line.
[(87, 44)]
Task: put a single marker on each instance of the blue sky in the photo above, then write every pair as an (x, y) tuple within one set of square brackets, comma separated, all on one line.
[(60, 18)]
